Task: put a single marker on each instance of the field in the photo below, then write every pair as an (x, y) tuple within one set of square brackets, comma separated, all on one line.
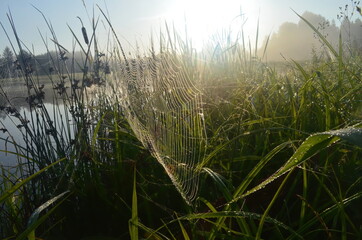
[(180, 144)]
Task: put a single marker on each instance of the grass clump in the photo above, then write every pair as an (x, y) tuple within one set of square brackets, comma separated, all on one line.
[(282, 160)]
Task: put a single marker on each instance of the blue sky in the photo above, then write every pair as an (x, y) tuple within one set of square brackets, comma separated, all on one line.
[(137, 19)]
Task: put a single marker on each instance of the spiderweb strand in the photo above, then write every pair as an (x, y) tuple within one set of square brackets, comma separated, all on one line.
[(163, 108)]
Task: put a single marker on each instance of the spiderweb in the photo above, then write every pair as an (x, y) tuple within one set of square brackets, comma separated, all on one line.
[(164, 109)]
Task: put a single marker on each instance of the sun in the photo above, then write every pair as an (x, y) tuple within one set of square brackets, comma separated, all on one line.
[(204, 18)]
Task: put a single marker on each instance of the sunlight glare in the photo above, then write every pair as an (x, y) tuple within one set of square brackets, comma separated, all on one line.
[(204, 18)]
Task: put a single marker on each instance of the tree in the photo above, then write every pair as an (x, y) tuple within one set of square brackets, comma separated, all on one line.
[(7, 66)]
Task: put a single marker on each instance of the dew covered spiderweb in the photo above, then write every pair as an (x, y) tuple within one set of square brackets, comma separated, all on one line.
[(164, 109)]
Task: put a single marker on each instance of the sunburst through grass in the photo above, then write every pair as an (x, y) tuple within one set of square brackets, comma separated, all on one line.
[(254, 152)]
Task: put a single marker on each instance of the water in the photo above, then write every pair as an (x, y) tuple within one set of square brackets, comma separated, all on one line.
[(12, 130), (12, 133), (40, 119)]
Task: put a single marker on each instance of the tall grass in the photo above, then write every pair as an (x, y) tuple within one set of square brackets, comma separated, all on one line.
[(283, 158)]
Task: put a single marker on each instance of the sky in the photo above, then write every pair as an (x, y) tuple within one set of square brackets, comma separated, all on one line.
[(136, 20)]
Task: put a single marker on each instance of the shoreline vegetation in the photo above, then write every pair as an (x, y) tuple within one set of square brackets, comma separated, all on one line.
[(179, 144)]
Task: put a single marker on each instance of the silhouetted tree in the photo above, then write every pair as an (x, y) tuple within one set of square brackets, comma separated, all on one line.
[(7, 66)]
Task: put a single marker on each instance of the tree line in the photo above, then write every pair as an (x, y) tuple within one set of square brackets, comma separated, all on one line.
[(292, 41), (43, 64), (297, 41)]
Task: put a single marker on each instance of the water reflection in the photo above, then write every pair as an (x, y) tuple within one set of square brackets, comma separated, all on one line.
[(13, 120), (47, 120)]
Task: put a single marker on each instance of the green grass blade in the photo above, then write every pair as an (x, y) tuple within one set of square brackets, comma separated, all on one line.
[(34, 222), (310, 147), (352, 135), (220, 182), (184, 232), (20, 184), (133, 223), (253, 173), (96, 131), (302, 70), (327, 211), (266, 212), (240, 214), (208, 204), (150, 233), (320, 35)]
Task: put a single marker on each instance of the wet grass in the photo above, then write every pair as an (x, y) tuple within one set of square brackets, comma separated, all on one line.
[(283, 158)]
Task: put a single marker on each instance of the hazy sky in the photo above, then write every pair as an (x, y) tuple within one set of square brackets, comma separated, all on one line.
[(137, 19)]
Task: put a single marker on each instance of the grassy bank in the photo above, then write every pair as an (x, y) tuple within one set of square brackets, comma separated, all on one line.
[(281, 159)]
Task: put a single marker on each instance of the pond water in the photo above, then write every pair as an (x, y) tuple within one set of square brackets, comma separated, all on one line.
[(12, 130), (43, 120), (15, 113)]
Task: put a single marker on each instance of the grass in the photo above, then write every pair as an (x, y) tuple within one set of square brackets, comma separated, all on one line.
[(283, 159)]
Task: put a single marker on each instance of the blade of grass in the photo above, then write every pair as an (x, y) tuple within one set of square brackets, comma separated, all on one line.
[(33, 222), (183, 230), (10, 191), (241, 214), (133, 223), (320, 35), (266, 212), (310, 147)]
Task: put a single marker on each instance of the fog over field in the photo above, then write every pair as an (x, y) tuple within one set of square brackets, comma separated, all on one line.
[(297, 40)]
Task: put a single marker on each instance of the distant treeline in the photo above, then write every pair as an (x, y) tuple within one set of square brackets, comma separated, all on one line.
[(43, 64), (297, 41)]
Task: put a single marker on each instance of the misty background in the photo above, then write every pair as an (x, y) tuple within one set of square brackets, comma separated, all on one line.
[(298, 41), (295, 41)]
